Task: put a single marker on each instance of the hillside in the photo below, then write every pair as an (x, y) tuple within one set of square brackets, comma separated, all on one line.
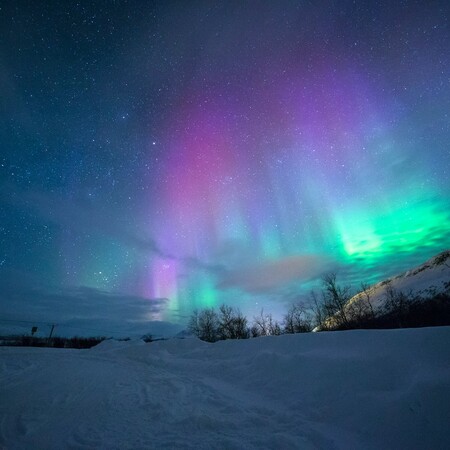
[(424, 281), (353, 389), (418, 297)]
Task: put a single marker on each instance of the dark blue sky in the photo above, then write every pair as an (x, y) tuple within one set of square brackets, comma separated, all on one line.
[(192, 153)]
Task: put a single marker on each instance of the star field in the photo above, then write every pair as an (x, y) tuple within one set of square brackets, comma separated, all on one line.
[(210, 152)]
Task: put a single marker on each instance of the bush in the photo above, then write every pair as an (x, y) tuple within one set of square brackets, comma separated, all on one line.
[(147, 338)]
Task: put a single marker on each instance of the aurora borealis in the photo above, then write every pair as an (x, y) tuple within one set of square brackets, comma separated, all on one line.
[(195, 153)]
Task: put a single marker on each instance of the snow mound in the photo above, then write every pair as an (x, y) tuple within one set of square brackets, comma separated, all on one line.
[(372, 389)]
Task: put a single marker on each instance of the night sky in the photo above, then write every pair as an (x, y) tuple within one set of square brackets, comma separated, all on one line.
[(158, 157)]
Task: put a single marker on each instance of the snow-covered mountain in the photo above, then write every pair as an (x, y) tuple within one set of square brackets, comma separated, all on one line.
[(424, 281)]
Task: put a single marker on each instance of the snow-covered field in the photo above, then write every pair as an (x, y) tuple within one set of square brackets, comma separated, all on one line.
[(380, 389)]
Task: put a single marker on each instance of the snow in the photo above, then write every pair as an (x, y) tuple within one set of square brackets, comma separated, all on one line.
[(426, 280), (366, 389)]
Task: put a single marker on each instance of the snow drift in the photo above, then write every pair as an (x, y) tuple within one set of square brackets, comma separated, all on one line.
[(373, 389)]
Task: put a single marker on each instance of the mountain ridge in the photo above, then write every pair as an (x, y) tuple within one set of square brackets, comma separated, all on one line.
[(419, 296), (425, 281)]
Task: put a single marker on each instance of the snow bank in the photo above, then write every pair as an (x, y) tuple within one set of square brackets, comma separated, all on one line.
[(372, 389)]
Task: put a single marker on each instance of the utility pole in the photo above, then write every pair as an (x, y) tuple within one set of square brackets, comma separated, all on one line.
[(51, 332)]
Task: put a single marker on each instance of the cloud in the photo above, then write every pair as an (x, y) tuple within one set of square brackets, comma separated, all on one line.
[(79, 310), (275, 274)]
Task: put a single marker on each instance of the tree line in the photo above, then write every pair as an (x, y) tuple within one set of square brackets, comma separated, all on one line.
[(55, 342), (229, 323), (329, 310)]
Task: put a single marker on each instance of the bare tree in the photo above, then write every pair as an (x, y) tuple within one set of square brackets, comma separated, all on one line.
[(360, 309), (319, 313), (335, 299), (254, 331), (259, 327), (265, 325), (232, 323), (396, 304), (296, 320), (225, 318), (240, 326), (274, 327), (204, 324), (193, 324), (365, 291)]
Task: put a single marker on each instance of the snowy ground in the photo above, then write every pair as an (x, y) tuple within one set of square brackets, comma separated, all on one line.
[(346, 390)]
